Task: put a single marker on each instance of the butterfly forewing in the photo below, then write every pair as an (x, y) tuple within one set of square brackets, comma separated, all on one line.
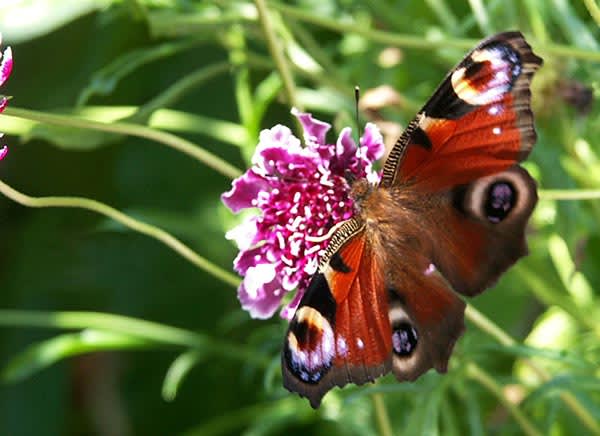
[(477, 123), (340, 332)]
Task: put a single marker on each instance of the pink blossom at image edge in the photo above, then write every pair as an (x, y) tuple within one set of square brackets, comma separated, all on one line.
[(300, 192), (6, 66)]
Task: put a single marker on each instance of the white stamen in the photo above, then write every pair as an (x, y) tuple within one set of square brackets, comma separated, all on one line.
[(317, 239), (287, 261), (280, 240), (312, 250)]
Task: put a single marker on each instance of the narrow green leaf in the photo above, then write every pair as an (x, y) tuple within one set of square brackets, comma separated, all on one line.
[(105, 80), (43, 354), (178, 370)]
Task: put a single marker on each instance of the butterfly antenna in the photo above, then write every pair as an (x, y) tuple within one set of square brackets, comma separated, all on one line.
[(356, 100)]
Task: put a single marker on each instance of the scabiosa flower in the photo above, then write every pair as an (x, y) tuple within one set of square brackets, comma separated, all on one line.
[(6, 64), (300, 192)]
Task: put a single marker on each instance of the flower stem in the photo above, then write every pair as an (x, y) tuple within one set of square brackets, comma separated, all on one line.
[(478, 374), (381, 415), (168, 139), (129, 222), (488, 326), (570, 194), (593, 9), (277, 53)]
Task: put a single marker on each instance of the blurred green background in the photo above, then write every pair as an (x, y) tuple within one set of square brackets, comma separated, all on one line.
[(203, 71)]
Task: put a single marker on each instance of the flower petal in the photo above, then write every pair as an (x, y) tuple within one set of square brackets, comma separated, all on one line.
[(277, 136), (314, 130), (244, 189), (260, 293), (3, 152), (373, 140), (244, 234), (249, 258), (288, 311), (6, 65), (345, 148)]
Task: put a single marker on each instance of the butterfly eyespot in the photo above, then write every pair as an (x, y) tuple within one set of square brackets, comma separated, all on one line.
[(500, 199), (404, 339), (309, 347)]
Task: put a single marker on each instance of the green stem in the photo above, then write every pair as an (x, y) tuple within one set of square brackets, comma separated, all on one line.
[(593, 9), (168, 139), (412, 41), (478, 374), (570, 194), (138, 226), (488, 326), (277, 53), (381, 415)]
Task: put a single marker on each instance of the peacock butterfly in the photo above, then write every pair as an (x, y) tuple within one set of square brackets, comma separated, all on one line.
[(447, 217)]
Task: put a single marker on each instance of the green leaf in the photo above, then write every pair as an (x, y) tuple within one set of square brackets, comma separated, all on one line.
[(177, 372), (41, 355), (103, 82)]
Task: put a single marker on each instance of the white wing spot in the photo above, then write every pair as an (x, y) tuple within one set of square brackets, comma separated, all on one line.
[(359, 343), (494, 110), (342, 346), (430, 269), (496, 130)]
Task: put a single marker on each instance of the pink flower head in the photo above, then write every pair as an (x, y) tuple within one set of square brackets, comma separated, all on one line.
[(6, 64), (300, 193)]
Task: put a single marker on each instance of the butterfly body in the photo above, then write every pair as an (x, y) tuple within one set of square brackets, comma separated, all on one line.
[(448, 217)]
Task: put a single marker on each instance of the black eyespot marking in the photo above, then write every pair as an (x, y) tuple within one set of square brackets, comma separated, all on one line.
[(446, 104), (404, 339), (458, 198), (419, 137), (396, 296), (306, 362), (338, 264), (318, 296), (501, 197)]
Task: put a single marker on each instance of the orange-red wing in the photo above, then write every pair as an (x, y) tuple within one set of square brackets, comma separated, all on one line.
[(340, 332), (395, 314), (477, 123), (362, 328)]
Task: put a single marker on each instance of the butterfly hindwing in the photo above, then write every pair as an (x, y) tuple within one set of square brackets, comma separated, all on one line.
[(480, 228), (426, 316), (368, 312)]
